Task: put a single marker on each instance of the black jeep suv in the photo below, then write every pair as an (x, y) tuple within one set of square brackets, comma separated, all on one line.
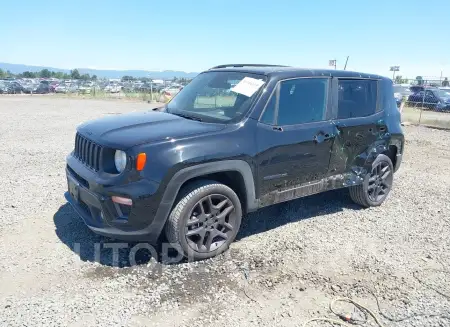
[(236, 139)]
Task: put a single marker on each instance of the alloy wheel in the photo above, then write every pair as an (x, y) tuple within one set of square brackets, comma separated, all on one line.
[(211, 223), (380, 182)]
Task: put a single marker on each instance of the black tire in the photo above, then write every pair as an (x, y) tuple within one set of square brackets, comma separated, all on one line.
[(374, 189), (197, 226)]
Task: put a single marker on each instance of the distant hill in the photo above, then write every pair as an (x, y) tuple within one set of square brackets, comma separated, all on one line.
[(165, 74)]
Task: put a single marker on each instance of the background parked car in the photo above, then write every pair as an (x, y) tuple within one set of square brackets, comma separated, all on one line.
[(85, 88), (401, 92), (3, 88), (416, 88), (43, 88), (61, 88), (445, 89), (171, 91), (432, 98), (53, 86), (30, 87), (113, 88), (13, 87), (72, 88)]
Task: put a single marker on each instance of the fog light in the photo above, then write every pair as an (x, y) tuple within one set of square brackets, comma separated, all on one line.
[(121, 200)]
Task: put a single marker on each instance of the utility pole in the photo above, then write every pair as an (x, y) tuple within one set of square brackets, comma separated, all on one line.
[(346, 61), (151, 89)]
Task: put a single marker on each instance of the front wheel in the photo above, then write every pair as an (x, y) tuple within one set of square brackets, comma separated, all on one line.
[(376, 185), (205, 220)]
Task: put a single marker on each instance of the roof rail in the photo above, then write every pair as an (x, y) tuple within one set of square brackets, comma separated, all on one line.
[(246, 65)]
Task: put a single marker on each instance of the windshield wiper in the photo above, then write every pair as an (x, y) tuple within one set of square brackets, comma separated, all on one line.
[(186, 116)]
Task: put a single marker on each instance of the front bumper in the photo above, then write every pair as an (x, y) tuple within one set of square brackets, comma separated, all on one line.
[(91, 198)]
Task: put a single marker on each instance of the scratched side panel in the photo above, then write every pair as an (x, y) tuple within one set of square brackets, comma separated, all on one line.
[(290, 158)]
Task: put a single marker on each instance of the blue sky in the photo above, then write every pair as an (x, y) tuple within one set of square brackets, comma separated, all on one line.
[(195, 35)]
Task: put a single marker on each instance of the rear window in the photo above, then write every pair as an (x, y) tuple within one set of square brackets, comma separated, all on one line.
[(357, 98)]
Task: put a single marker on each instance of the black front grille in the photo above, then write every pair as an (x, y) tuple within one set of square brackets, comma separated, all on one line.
[(87, 152)]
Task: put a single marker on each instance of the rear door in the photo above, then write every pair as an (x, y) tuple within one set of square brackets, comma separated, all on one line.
[(358, 119), (295, 135)]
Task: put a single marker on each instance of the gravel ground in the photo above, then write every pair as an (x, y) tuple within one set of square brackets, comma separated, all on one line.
[(289, 262)]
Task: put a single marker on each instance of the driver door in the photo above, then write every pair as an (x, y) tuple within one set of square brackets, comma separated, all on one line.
[(295, 138)]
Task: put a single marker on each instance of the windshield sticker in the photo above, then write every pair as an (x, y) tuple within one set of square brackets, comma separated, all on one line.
[(248, 86)]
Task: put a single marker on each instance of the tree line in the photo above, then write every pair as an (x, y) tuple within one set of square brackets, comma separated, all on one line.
[(75, 74), (45, 73)]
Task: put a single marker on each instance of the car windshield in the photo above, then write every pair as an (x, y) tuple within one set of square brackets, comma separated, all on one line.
[(211, 97)]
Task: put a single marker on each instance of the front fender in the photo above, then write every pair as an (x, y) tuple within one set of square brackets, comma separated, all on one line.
[(173, 185)]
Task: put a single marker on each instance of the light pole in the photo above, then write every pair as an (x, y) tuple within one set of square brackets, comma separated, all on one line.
[(394, 69)]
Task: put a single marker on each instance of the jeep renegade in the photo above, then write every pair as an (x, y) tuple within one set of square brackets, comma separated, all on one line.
[(237, 138)]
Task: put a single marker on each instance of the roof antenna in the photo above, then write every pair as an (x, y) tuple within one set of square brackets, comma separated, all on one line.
[(346, 61)]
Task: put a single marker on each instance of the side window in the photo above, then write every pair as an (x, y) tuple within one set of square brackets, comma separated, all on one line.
[(429, 94), (269, 112), (302, 100), (357, 98)]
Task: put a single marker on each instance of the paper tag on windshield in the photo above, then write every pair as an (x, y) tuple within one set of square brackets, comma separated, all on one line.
[(248, 86)]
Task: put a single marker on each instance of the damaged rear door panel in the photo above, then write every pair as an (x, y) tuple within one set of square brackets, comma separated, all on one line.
[(360, 122), (367, 125)]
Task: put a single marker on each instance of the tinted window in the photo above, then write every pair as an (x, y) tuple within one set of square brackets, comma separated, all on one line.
[(268, 115), (302, 101), (357, 98)]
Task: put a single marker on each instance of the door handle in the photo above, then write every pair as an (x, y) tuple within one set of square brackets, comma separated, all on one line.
[(277, 128)]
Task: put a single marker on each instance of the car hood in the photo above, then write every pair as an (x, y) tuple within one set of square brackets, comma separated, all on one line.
[(127, 130)]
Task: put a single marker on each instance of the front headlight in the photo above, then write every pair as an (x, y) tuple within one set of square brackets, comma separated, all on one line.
[(120, 160)]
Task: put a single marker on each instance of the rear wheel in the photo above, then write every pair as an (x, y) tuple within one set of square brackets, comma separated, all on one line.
[(205, 220), (376, 185)]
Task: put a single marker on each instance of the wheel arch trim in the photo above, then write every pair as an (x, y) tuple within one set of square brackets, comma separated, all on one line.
[(185, 174)]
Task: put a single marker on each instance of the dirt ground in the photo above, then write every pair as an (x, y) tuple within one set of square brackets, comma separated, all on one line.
[(288, 262)]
